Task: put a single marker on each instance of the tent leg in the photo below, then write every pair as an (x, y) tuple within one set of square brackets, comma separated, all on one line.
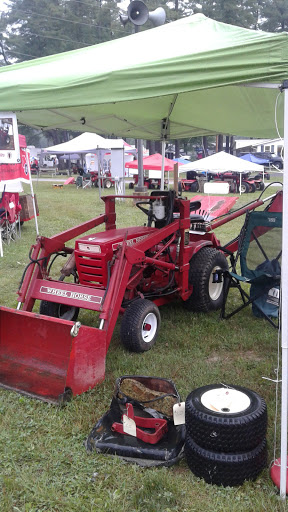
[(32, 194), (284, 311), (162, 166)]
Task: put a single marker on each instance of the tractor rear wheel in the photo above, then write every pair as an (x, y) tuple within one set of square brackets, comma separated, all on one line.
[(206, 280), (194, 187), (140, 325), (244, 188), (58, 310), (252, 187)]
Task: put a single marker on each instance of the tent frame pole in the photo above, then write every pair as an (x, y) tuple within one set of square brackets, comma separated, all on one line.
[(284, 311), (32, 191), (162, 186)]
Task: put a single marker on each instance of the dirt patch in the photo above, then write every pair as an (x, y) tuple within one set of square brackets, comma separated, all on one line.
[(249, 355)]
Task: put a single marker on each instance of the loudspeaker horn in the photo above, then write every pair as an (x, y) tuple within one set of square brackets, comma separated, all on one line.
[(158, 17), (124, 19), (138, 12)]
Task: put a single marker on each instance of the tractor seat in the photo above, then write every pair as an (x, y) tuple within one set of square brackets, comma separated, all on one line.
[(194, 217)]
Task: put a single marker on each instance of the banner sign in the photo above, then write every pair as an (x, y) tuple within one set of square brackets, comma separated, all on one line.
[(18, 171), (9, 139)]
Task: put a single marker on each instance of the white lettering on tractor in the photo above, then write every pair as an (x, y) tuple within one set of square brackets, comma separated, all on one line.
[(129, 242), (71, 295)]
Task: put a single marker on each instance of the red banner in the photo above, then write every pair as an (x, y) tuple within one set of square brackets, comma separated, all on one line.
[(16, 171)]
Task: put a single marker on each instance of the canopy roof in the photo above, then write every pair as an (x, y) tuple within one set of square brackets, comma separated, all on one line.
[(222, 162), (71, 156), (86, 143), (188, 85), (153, 163)]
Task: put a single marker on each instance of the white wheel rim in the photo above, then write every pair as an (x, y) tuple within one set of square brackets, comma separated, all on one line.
[(108, 184), (225, 400), (149, 327), (215, 289)]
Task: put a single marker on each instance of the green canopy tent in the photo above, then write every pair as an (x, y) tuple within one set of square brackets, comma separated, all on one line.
[(179, 80), (191, 77)]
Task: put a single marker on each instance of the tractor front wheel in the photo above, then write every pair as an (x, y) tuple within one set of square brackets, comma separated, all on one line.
[(205, 275), (58, 310), (140, 325), (107, 184)]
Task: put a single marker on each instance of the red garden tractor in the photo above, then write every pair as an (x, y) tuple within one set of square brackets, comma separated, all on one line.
[(129, 272), (244, 185)]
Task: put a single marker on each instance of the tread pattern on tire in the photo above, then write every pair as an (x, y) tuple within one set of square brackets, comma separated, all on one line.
[(225, 469), (130, 325), (226, 432), (204, 259)]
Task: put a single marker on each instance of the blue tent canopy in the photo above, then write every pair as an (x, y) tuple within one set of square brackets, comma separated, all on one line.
[(251, 158), (181, 160)]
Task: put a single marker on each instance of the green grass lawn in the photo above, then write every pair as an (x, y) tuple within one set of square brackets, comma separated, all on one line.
[(43, 463)]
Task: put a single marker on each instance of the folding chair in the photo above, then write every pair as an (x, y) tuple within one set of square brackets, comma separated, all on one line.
[(87, 180), (259, 253), (10, 217)]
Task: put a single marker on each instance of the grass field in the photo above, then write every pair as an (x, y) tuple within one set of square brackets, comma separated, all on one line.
[(43, 463)]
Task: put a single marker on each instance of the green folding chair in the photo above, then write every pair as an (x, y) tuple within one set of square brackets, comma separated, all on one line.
[(259, 255)]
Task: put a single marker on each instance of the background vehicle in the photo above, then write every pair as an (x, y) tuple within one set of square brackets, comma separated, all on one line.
[(275, 160), (248, 182)]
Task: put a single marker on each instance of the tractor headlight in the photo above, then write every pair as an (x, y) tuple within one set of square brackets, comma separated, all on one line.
[(95, 249)]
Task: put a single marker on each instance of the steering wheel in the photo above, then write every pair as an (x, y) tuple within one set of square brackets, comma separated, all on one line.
[(149, 212)]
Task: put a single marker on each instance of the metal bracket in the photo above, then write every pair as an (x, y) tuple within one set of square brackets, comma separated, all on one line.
[(158, 424)]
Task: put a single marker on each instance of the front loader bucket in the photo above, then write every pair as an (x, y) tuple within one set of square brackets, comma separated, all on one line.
[(39, 357)]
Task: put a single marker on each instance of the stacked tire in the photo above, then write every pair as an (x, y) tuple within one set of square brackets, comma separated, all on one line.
[(225, 434)]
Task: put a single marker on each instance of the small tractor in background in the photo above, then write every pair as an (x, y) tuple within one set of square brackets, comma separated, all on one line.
[(245, 184), (174, 256)]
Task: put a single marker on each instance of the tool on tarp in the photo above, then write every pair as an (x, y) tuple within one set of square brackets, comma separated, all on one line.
[(159, 425)]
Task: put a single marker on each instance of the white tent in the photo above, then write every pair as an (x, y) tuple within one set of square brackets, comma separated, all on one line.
[(85, 143), (221, 162)]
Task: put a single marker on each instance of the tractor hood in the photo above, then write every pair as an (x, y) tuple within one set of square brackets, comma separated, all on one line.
[(109, 241)]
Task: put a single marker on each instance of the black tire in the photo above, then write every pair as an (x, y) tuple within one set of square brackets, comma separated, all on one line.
[(194, 187), (58, 310), (223, 431), (244, 188), (132, 330), (107, 184), (225, 469), (131, 185), (206, 296), (261, 185), (252, 187), (267, 176), (278, 165)]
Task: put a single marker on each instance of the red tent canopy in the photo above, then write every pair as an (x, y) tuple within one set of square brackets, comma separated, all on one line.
[(153, 163)]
